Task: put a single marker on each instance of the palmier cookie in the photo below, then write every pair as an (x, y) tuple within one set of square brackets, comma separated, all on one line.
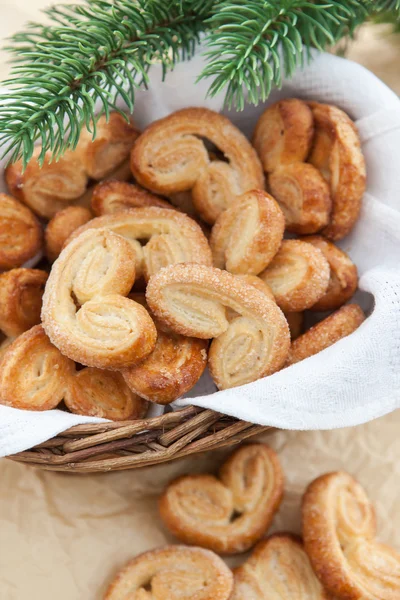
[(283, 133), (110, 147), (229, 514), (21, 292), (20, 233), (278, 569), (303, 195), (258, 283), (61, 226), (172, 237), (171, 157), (336, 152), (298, 275), (173, 573), (172, 369), (343, 274), (339, 537), (49, 188), (193, 301), (33, 373), (122, 173), (104, 394), (248, 234), (338, 325), (113, 196), (294, 320), (85, 312)]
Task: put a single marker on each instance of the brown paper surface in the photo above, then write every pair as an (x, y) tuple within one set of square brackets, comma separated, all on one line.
[(63, 536)]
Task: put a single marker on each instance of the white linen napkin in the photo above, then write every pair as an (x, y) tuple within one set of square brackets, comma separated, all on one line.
[(357, 379)]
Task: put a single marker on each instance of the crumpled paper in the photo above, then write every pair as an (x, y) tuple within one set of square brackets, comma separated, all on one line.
[(65, 536)]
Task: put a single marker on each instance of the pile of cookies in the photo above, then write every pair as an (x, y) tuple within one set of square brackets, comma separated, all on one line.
[(161, 253), (338, 556)]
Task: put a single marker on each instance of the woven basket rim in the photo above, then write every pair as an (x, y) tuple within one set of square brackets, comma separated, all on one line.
[(115, 446)]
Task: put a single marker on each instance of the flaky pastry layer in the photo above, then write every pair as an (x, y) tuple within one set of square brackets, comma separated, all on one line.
[(283, 133), (298, 275), (21, 292), (336, 152), (49, 188), (339, 535), (61, 226), (251, 338), (85, 310), (113, 196), (230, 513), (325, 333), (21, 235), (170, 156), (343, 279), (173, 573), (303, 195), (168, 237), (247, 235), (110, 148), (278, 569)]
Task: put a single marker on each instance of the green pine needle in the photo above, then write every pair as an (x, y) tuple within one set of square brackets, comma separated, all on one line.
[(100, 52)]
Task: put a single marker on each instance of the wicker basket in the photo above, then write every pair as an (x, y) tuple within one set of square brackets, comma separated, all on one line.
[(133, 444)]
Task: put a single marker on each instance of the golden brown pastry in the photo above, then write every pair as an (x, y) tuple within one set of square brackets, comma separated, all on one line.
[(298, 275), (172, 369), (248, 234), (104, 394), (325, 333), (229, 514), (339, 537), (5, 342), (49, 188), (173, 573), (85, 312), (278, 569), (171, 157), (113, 196), (21, 236), (33, 373), (295, 321), (120, 174), (336, 152), (259, 284), (21, 292), (249, 343), (283, 133), (61, 226), (343, 278), (172, 237), (303, 195), (110, 148)]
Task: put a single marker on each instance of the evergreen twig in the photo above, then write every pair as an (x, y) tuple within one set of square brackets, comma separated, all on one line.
[(101, 51)]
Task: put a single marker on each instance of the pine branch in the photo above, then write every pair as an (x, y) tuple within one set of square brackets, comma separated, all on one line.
[(101, 51), (247, 41)]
